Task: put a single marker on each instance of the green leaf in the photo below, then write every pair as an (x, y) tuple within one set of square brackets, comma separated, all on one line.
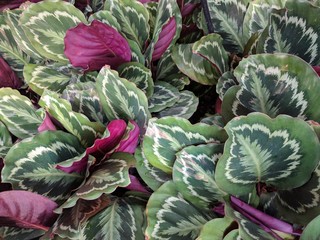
[(281, 152), (40, 78), (166, 9), (299, 19), (299, 205), (232, 235), (107, 176), (151, 175), (12, 19), (167, 136), (277, 84), (19, 233), (226, 81), (122, 219), (166, 67), (30, 164), (133, 19), (140, 75), (215, 229), (210, 47), (227, 19), (258, 14), (122, 99), (193, 65), (9, 48), (5, 140), (193, 174), (84, 99), (185, 107), (312, 231), (165, 95), (107, 18), (18, 113), (76, 123), (45, 24), (173, 218)]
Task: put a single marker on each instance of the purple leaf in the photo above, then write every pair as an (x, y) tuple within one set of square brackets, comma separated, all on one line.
[(7, 76), (101, 147), (135, 185), (165, 39), (130, 142), (188, 8), (47, 124), (25, 209), (317, 69), (76, 166), (262, 219), (91, 47), (5, 4)]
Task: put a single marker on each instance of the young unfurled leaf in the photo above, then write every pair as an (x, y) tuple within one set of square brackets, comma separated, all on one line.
[(172, 217), (46, 23), (25, 209), (169, 135), (18, 113), (122, 99), (91, 47), (30, 164), (281, 152)]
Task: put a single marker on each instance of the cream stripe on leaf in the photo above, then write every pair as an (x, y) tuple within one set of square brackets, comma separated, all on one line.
[(30, 164), (18, 113), (299, 19), (45, 24), (5, 140), (281, 152)]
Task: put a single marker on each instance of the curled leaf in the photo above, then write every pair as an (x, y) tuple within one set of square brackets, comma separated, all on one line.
[(47, 124), (91, 47)]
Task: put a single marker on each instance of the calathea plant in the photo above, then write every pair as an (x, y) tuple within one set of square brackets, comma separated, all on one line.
[(126, 119)]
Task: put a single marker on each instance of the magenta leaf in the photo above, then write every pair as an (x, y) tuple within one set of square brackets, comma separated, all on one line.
[(77, 164), (8, 78), (47, 124), (317, 69), (5, 4), (165, 38), (129, 141), (25, 209), (135, 185), (101, 147), (91, 47)]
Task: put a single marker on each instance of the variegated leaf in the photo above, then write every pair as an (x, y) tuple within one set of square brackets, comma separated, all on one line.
[(185, 107), (122, 219), (18, 113), (166, 9), (151, 175), (7, 233), (226, 81), (136, 54), (165, 95), (122, 99), (30, 164), (193, 174), (214, 120), (12, 19), (9, 48), (210, 47), (276, 84), (46, 23), (281, 152), (193, 65), (107, 176), (84, 99), (40, 78), (227, 18), (167, 136), (5, 140), (258, 14), (299, 19), (215, 229), (173, 218), (140, 75), (166, 67), (133, 19), (299, 205), (72, 221), (76, 123), (106, 17)]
